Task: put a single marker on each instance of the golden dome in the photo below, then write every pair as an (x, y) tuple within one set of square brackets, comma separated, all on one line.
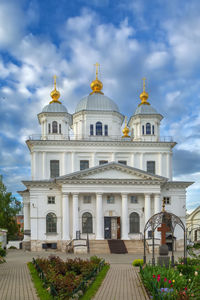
[(55, 95), (126, 130), (96, 84), (144, 95)]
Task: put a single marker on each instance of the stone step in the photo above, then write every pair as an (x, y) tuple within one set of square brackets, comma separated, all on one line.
[(99, 247), (134, 246)]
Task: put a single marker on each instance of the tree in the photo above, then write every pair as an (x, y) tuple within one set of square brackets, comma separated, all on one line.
[(9, 207)]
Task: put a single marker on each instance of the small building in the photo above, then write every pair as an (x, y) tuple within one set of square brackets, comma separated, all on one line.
[(193, 225)]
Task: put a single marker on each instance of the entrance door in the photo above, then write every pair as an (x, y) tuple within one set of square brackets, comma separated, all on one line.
[(113, 228), (107, 228)]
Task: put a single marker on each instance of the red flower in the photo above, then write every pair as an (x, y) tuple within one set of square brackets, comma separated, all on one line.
[(171, 285), (170, 281), (154, 276), (158, 275), (158, 279), (186, 288), (165, 279)]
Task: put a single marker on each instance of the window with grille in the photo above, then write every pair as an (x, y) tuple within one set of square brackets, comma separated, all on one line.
[(54, 168), (106, 130), (98, 128), (49, 128), (87, 199), (167, 200), (134, 223), (142, 129), (54, 127), (91, 129), (148, 128), (151, 167), (110, 199), (123, 162), (134, 199), (102, 162), (59, 128), (51, 223), (84, 164), (51, 200), (152, 129)]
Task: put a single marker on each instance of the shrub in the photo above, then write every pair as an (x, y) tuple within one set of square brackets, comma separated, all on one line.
[(138, 262), (2, 252), (12, 247)]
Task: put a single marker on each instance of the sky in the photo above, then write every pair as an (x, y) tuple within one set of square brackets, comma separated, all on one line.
[(131, 39)]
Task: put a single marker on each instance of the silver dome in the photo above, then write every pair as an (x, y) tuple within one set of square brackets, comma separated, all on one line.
[(54, 107), (145, 110), (96, 102)]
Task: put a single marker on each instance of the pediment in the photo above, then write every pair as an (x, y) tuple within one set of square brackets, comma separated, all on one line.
[(113, 171)]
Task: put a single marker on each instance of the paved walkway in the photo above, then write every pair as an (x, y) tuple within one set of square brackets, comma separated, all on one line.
[(121, 282)]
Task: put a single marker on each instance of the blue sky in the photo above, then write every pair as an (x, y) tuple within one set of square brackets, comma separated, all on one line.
[(131, 39)]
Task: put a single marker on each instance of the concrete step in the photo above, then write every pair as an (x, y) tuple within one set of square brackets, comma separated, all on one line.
[(134, 246), (99, 247)]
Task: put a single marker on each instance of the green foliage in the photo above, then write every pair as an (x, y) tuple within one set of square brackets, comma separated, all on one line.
[(9, 207), (41, 291), (12, 247), (179, 282), (91, 291), (138, 262), (2, 252), (67, 278)]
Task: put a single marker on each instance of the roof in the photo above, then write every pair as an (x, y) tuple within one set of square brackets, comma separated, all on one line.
[(97, 102), (145, 110), (54, 107)]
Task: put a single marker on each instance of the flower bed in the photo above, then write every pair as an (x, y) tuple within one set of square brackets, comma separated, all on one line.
[(69, 279), (175, 283)]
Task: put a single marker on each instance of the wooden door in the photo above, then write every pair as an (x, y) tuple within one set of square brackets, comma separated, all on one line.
[(118, 228)]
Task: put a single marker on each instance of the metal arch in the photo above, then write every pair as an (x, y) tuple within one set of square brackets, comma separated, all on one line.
[(171, 220), (157, 219)]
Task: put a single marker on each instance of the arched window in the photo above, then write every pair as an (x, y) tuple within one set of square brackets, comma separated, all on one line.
[(51, 223), (152, 129), (54, 127), (59, 128), (98, 128), (134, 223), (87, 223), (148, 128), (142, 129), (49, 128)]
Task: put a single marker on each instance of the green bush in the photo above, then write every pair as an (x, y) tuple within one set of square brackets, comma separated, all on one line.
[(12, 247), (138, 262), (2, 252)]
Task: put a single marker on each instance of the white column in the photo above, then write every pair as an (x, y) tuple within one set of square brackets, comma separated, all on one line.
[(63, 170), (44, 167), (94, 159), (141, 161), (99, 217), (160, 164), (147, 208), (113, 158), (65, 221), (125, 228), (168, 165), (26, 220), (157, 206), (72, 162), (75, 215), (132, 160)]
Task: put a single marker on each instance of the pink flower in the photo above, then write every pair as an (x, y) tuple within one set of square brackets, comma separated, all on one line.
[(170, 281), (158, 279), (158, 275), (165, 279)]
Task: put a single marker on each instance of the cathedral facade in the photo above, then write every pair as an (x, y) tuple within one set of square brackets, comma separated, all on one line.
[(90, 179)]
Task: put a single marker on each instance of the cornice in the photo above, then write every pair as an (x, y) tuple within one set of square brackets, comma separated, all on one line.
[(108, 143), (177, 184)]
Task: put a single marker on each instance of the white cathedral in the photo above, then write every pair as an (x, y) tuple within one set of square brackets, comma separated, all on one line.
[(87, 178)]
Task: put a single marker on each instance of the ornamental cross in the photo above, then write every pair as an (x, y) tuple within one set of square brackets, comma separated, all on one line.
[(144, 79), (97, 65), (163, 229), (54, 81)]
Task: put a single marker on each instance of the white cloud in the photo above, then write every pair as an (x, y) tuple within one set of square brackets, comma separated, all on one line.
[(157, 60)]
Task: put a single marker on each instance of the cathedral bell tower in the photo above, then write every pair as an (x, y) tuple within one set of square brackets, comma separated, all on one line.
[(145, 122), (54, 119)]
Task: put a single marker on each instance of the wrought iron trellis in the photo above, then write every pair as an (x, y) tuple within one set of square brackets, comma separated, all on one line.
[(171, 221)]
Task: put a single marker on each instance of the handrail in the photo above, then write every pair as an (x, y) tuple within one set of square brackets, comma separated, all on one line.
[(72, 137)]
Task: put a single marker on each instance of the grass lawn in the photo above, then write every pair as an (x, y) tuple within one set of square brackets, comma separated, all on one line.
[(90, 292)]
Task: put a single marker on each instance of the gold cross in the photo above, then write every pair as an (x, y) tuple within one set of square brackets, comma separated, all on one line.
[(54, 81), (144, 84), (97, 65)]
